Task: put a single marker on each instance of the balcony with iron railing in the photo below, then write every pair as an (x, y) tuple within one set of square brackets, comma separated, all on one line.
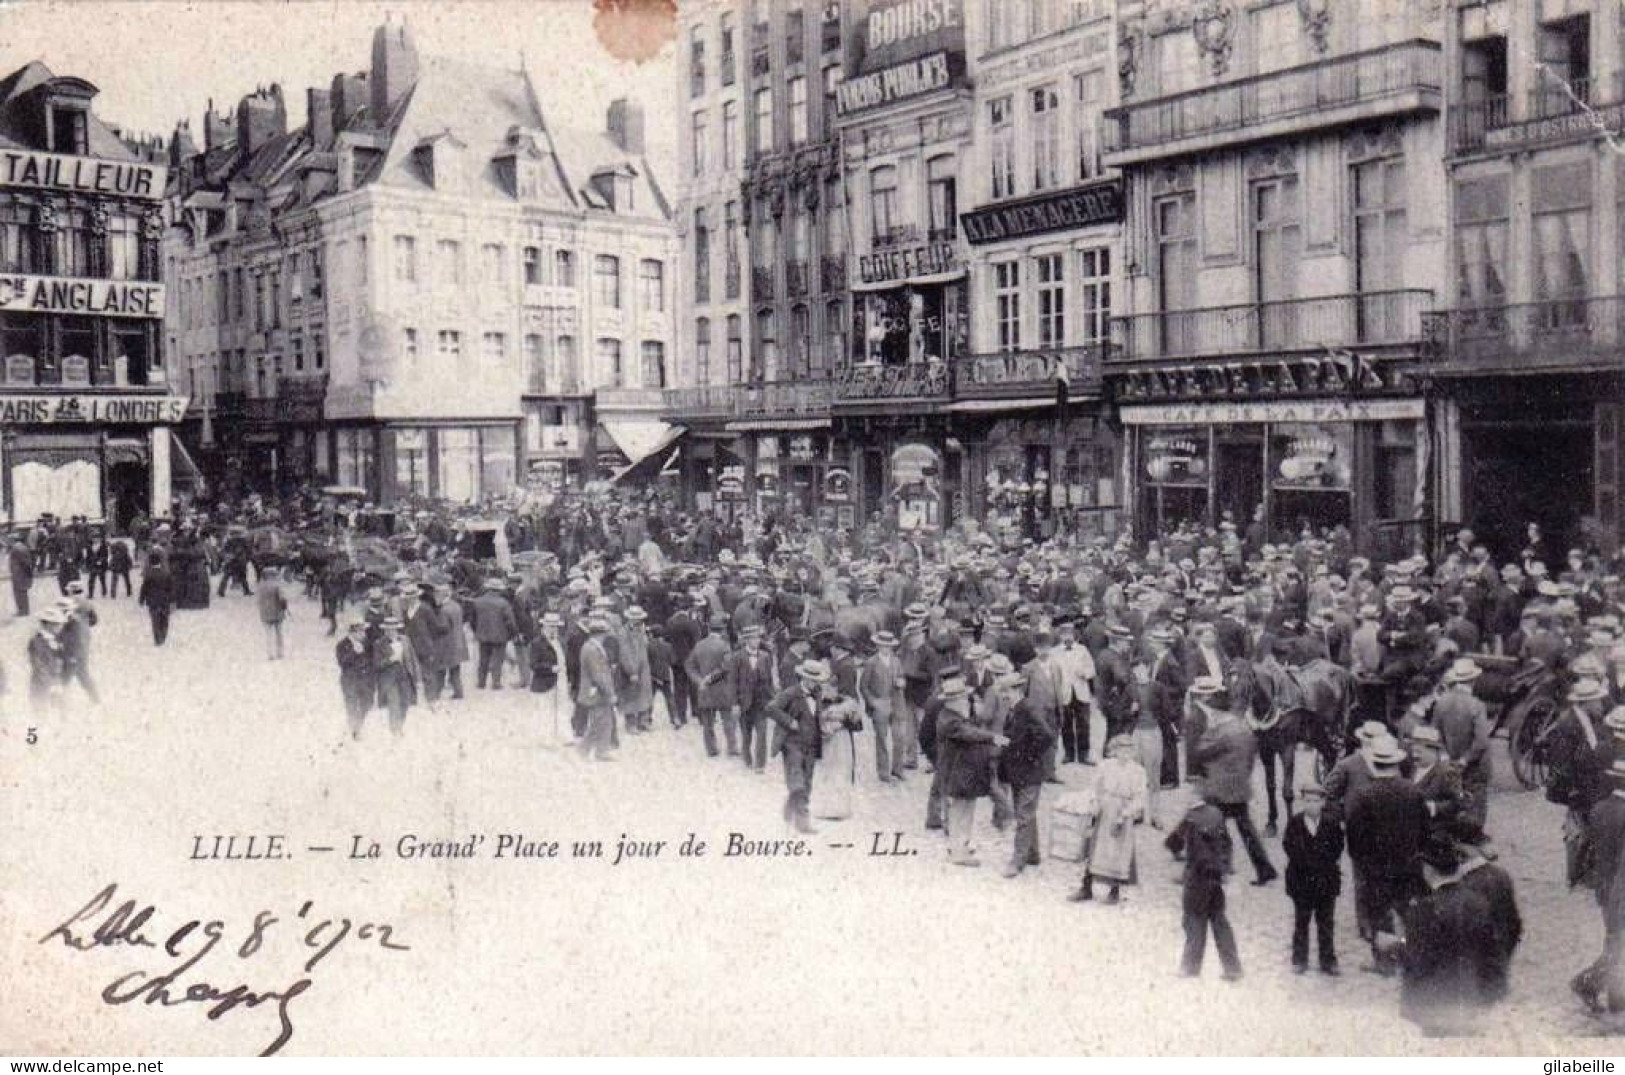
[(784, 399), (1557, 110), (761, 61), (630, 399), (874, 382), (761, 282), (1394, 80), (946, 234), (699, 401), (896, 236), (1556, 335), (727, 69), (1310, 324), (1029, 374)]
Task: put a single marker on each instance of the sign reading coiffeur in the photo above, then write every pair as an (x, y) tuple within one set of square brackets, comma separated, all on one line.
[(72, 295), (91, 175)]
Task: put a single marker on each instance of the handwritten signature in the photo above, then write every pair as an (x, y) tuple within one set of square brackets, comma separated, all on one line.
[(132, 924)]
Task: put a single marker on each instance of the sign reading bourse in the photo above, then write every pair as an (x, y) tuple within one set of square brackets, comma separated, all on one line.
[(897, 49), (72, 295), (1080, 207), (76, 407)]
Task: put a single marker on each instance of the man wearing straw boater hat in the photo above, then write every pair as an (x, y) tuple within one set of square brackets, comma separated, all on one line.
[(798, 737), (1387, 825), (1464, 727)]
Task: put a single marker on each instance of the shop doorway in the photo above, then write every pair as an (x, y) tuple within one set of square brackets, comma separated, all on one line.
[(129, 492), (1240, 480), (874, 481), (1519, 474)]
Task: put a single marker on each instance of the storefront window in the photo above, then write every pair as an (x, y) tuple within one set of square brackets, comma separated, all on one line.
[(355, 457), (916, 476), (460, 465), (1313, 471), (497, 464), (1174, 472), (411, 462)]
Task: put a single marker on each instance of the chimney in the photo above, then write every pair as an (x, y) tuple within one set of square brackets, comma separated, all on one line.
[(260, 118), (350, 95), (319, 118), (625, 125), (394, 67), (216, 128)]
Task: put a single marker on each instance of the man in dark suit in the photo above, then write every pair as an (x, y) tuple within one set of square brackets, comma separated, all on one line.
[(20, 560), (596, 694), (1115, 689), (1314, 878), (797, 736), (755, 679), (494, 627), (684, 629), (1167, 697), (356, 677), (707, 666), (1387, 827), (158, 597), (1227, 754)]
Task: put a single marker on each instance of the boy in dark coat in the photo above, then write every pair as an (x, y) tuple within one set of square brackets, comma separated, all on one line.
[(1314, 878), (1204, 841)]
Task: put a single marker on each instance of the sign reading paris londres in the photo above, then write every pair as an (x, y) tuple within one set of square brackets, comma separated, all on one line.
[(1080, 207), (86, 175), (901, 49)]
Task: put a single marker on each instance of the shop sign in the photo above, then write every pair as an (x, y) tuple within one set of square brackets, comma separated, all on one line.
[(1176, 456), (838, 485), (801, 450), (1582, 122), (71, 295), (88, 175), (1324, 410), (899, 49), (70, 408), (930, 259), (1080, 207)]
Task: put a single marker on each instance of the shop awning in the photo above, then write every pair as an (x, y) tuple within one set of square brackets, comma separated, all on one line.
[(638, 438), (647, 459), (776, 425), (966, 406), (187, 468)]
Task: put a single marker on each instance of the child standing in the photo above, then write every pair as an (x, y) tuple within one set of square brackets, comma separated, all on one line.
[(1205, 843), (1314, 878)]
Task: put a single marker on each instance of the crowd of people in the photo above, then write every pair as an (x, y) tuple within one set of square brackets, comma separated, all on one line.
[(974, 665)]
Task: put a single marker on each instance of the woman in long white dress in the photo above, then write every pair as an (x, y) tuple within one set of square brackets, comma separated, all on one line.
[(837, 771)]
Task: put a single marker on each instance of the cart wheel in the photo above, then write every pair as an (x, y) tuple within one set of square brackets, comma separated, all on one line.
[(1524, 741)]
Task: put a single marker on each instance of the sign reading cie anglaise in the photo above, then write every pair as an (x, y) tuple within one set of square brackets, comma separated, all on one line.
[(898, 49)]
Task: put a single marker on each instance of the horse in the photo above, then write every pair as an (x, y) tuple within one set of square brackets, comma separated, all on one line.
[(1286, 707)]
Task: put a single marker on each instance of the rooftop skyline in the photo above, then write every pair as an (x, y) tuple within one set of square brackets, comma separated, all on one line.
[(158, 62)]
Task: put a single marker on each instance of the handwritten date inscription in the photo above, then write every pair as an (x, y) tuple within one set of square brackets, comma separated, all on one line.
[(107, 923)]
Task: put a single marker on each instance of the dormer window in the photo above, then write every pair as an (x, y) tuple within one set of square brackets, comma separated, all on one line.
[(614, 186), (69, 130), (440, 161)]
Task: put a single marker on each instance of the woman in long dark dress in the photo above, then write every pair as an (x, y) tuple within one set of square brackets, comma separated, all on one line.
[(191, 571)]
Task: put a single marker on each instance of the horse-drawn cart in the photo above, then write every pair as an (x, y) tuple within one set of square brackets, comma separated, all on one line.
[(1522, 699)]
